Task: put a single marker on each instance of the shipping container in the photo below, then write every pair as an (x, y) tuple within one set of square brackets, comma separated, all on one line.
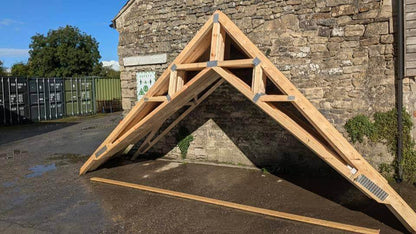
[(46, 98), (37, 99), (13, 100), (108, 94), (79, 96)]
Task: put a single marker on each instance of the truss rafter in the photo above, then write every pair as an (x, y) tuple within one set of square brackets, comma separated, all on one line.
[(214, 54)]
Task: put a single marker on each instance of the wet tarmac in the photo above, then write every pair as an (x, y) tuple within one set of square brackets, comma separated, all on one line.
[(41, 192)]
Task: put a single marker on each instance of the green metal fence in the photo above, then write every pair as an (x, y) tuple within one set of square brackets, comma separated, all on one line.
[(108, 94)]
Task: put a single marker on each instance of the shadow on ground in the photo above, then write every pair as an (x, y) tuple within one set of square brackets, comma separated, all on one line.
[(18, 132)]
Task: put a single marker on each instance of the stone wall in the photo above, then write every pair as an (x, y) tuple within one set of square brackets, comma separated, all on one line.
[(339, 53)]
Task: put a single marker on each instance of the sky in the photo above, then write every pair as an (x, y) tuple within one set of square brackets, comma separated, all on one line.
[(21, 19)]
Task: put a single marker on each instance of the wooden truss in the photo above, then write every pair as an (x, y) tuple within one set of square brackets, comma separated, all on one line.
[(189, 80)]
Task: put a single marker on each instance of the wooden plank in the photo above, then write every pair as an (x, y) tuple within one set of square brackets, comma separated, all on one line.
[(410, 8), (146, 141), (410, 16), (181, 76), (172, 82), (410, 24), (217, 43), (411, 48), (155, 99), (410, 32), (410, 57), (410, 64), (237, 63), (411, 41), (252, 209), (180, 118), (191, 66), (276, 98), (410, 71), (408, 2), (259, 80)]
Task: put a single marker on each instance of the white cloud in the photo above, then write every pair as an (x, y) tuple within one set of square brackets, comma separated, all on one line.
[(111, 64), (8, 22), (12, 52)]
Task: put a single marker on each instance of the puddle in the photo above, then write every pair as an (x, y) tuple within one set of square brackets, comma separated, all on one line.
[(39, 170), (168, 167)]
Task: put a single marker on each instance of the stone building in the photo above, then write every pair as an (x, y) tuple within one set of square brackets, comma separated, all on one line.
[(339, 53)]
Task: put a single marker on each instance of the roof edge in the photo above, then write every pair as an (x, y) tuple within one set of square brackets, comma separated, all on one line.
[(123, 9)]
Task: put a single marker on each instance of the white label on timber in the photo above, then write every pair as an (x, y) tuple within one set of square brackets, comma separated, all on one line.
[(145, 60), (145, 80)]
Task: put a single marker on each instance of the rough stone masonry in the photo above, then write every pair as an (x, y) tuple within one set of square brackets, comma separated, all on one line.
[(339, 53)]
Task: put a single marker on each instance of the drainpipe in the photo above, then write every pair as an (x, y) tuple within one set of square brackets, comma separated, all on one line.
[(400, 76)]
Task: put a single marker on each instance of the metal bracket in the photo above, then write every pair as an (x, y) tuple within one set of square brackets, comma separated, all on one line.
[(101, 151), (256, 61), (257, 96), (352, 169), (212, 63), (168, 98), (216, 17), (372, 187), (173, 68), (290, 98)]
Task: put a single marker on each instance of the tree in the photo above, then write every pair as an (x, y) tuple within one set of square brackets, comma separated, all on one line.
[(64, 52), (107, 72), (2, 70), (20, 69)]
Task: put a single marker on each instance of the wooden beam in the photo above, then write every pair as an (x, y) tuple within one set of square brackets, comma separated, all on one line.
[(237, 63), (172, 82), (181, 76), (180, 118), (252, 209), (146, 142), (277, 98), (217, 43), (191, 66), (259, 80), (155, 99)]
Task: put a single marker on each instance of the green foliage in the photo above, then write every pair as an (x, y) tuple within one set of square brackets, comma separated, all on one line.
[(20, 69), (265, 171), (106, 72), (384, 129), (184, 140), (358, 127), (2, 70), (64, 52)]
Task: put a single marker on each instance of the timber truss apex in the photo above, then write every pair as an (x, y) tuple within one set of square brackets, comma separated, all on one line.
[(221, 52)]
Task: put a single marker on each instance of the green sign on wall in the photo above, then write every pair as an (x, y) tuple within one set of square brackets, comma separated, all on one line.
[(145, 80)]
